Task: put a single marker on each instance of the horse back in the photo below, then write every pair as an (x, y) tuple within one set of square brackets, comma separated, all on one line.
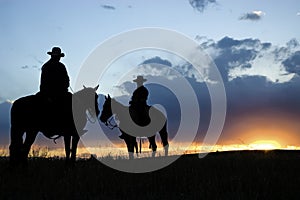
[(23, 109)]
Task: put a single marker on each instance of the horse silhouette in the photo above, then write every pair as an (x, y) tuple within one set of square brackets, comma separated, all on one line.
[(64, 117), (133, 123)]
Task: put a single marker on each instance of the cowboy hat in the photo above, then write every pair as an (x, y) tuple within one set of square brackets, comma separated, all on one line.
[(56, 51), (140, 79)]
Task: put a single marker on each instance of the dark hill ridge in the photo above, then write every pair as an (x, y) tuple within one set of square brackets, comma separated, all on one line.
[(221, 175)]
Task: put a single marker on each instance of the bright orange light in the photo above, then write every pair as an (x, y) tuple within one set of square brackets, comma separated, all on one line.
[(265, 145)]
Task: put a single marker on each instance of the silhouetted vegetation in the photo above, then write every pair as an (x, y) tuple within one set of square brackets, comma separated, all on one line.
[(221, 175)]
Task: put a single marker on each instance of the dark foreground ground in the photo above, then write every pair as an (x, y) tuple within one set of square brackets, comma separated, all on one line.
[(226, 175)]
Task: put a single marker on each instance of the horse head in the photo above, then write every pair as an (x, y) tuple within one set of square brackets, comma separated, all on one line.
[(87, 99), (106, 111)]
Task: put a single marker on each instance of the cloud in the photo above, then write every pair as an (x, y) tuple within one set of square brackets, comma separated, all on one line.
[(30, 67), (250, 57), (234, 58), (25, 67), (260, 79), (108, 7), (253, 16), (201, 5), (292, 64), (157, 60), (298, 14)]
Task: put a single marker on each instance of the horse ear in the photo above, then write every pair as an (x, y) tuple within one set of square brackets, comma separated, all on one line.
[(96, 88), (84, 87)]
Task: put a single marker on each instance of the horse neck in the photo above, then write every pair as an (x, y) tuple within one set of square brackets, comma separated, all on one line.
[(117, 107), (79, 101)]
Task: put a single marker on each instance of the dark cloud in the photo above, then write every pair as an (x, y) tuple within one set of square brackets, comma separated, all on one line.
[(293, 43), (25, 67), (201, 5), (229, 53), (157, 60), (252, 16), (234, 53), (228, 42), (292, 64), (108, 7)]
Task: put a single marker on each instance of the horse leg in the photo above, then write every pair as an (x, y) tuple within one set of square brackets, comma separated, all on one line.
[(152, 145), (136, 147), (164, 139), (130, 146), (67, 141), (30, 137), (75, 140), (16, 144), (130, 143)]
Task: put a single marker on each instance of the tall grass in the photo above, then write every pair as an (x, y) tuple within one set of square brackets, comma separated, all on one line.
[(4, 151)]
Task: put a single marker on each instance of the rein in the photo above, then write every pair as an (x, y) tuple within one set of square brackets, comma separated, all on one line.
[(109, 124), (90, 117)]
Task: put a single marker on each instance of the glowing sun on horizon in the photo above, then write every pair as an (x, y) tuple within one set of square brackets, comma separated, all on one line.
[(265, 145)]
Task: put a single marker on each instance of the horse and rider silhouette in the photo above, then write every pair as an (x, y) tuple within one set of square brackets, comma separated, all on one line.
[(53, 111), (56, 112), (137, 120)]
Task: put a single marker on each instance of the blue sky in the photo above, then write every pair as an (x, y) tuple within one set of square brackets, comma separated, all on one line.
[(31, 28)]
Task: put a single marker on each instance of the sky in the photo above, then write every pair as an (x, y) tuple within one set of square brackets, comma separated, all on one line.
[(30, 29), (254, 43)]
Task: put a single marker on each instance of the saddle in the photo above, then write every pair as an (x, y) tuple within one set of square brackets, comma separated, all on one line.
[(140, 114), (56, 111)]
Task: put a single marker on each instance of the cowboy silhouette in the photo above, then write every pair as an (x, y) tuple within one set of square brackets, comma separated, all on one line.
[(138, 109), (54, 78), (140, 95), (55, 99)]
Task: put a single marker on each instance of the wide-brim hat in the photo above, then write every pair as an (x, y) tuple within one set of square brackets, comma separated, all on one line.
[(56, 51), (140, 79)]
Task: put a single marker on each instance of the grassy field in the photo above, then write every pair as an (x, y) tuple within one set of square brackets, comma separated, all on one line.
[(221, 175)]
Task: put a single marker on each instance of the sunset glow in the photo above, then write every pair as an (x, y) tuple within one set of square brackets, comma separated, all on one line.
[(175, 149), (265, 145)]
